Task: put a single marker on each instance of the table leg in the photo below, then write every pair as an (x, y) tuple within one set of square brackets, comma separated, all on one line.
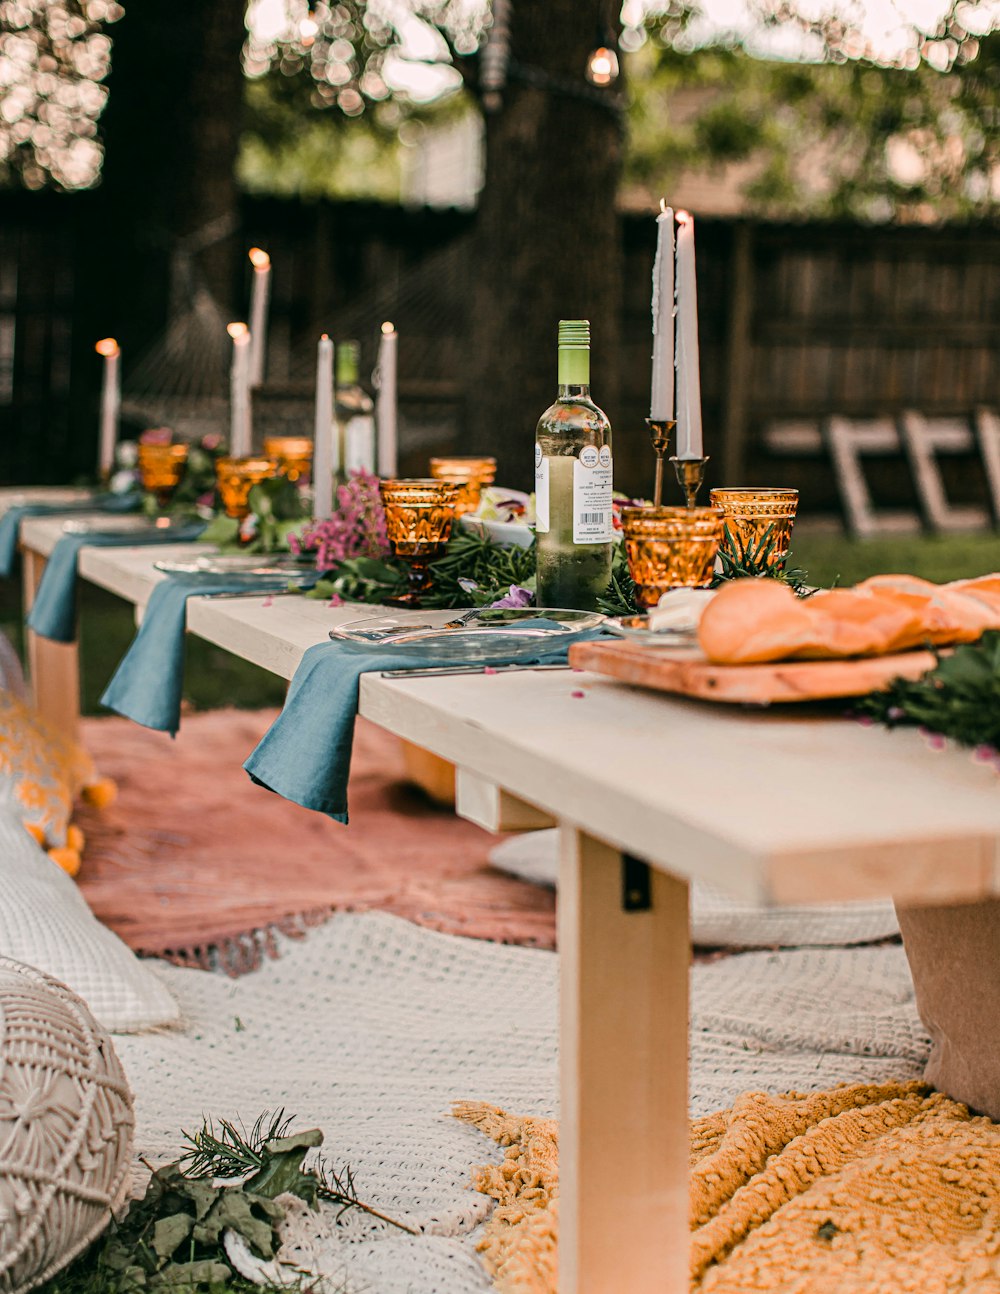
[(623, 1143), (54, 668)]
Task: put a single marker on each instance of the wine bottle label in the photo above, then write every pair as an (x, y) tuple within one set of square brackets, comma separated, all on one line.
[(359, 444), (541, 491), (592, 490)]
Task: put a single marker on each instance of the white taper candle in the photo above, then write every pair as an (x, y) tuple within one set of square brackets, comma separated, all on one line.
[(386, 403), (111, 398), (689, 438), (260, 294), (322, 464), (240, 428), (661, 403)]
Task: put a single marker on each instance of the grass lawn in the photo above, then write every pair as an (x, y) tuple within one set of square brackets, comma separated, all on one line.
[(214, 678), (832, 558)]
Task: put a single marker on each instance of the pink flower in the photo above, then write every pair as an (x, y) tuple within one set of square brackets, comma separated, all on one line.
[(156, 436), (356, 528), (211, 442)]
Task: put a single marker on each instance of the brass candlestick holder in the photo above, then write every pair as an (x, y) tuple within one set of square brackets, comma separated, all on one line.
[(660, 431), (690, 476)]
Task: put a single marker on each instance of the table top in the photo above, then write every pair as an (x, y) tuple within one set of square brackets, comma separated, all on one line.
[(795, 806)]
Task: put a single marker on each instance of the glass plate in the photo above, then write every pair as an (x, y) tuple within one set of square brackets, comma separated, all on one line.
[(216, 564), (504, 634)]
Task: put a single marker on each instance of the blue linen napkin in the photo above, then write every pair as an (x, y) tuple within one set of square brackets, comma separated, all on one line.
[(305, 755), (148, 683), (53, 612), (10, 522)]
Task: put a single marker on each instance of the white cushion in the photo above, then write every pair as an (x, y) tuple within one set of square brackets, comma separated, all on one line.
[(45, 923)]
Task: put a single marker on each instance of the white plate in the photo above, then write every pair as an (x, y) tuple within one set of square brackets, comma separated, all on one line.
[(423, 633), (507, 534)]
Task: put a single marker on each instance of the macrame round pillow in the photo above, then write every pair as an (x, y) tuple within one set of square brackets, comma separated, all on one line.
[(65, 1127)]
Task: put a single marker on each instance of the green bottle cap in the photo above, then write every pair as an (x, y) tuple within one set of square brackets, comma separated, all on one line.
[(348, 362), (574, 352)]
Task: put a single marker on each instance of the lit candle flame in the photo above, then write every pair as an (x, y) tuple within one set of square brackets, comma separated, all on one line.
[(663, 206), (684, 217), (325, 336), (236, 330), (387, 328), (107, 347), (259, 258)]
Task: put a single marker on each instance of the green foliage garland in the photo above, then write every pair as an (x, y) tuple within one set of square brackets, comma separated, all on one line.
[(959, 699), (473, 572)]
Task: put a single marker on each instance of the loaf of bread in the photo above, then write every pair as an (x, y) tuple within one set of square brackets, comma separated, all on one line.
[(757, 620)]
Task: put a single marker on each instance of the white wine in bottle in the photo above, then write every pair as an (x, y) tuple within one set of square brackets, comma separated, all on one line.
[(354, 415), (573, 484)]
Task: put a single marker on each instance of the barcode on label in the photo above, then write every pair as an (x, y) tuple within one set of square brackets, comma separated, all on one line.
[(592, 518)]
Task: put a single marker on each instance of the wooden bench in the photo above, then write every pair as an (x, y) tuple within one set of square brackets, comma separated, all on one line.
[(918, 441)]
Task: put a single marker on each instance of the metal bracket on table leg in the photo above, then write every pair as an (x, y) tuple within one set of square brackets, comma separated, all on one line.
[(635, 885)]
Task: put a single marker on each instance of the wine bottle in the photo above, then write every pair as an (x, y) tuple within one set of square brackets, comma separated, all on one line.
[(354, 416), (573, 475)]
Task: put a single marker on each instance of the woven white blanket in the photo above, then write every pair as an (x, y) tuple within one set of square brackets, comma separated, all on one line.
[(371, 1027)]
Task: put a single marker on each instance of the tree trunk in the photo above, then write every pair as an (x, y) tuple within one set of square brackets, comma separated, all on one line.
[(172, 131), (546, 244)]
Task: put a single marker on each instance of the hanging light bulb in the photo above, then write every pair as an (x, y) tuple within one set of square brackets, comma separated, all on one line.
[(602, 66)]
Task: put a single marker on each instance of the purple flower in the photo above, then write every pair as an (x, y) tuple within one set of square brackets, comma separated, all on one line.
[(515, 597)]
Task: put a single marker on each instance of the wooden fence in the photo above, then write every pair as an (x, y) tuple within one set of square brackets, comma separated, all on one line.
[(799, 322)]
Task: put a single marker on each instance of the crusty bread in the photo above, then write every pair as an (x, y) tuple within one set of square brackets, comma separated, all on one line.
[(950, 614), (758, 620)]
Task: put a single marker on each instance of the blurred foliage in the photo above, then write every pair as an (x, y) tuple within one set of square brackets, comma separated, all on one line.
[(54, 56), (337, 88), (849, 136)]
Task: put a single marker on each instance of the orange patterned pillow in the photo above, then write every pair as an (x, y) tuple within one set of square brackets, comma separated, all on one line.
[(42, 773)]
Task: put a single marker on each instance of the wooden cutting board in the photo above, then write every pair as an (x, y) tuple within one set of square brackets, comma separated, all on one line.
[(685, 671)]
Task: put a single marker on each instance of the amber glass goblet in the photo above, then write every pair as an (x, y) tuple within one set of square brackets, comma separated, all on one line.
[(294, 454), (469, 475), (418, 516), (161, 470), (236, 477), (749, 514), (670, 548)]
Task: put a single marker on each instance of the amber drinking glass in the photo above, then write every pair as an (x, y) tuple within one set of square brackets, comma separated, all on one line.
[(236, 477), (469, 475), (294, 454), (161, 470), (670, 548), (418, 515), (751, 514)]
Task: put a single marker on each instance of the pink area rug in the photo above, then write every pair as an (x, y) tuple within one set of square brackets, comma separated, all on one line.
[(195, 862)]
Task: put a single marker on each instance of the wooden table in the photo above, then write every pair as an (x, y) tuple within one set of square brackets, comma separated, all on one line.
[(650, 792)]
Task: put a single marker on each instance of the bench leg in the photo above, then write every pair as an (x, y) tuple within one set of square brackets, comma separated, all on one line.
[(54, 668), (623, 1144)]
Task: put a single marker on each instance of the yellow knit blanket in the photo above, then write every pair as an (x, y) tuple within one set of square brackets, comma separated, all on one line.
[(851, 1191)]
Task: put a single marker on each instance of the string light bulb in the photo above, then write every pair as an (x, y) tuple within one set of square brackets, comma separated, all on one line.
[(602, 66)]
